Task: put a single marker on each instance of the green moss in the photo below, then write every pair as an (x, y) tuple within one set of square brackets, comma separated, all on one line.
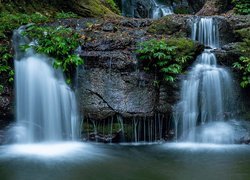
[(182, 10), (112, 5), (243, 33), (94, 8), (164, 25), (185, 47)]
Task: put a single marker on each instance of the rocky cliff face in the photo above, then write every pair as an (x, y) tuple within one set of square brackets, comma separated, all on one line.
[(6, 106), (112, 82)]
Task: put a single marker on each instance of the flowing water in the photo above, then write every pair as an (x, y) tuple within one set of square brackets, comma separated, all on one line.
[(45, 105), (206, 93), (160, 10), (155, 10)]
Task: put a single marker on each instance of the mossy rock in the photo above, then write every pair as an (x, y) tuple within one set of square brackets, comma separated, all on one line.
[(165, 25), (85, 8), (94, 8), (186, 46), (243, 33)]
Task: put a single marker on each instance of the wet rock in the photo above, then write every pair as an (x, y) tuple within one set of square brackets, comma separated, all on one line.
[(213, 7), (6, 106), (104, 93), (109, 27)]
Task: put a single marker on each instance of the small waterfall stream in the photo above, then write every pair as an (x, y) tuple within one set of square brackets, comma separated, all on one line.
[(160, 10), (46, 107), (152, 8), (206, 92)]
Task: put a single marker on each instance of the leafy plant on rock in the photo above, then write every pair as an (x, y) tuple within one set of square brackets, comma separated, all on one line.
[(243, 63), (59, 43), (242, 6), (244, 66), (164, 57)]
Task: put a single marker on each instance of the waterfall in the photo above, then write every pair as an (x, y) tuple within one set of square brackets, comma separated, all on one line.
[(154, 10), (160, 10), (46, 108), (206, 92), (205, 30)]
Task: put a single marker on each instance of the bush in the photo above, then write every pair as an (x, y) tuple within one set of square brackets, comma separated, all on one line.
[(57, 42), (243, 63), (244, 66), (168, 58), (11, 21), (242, 6)]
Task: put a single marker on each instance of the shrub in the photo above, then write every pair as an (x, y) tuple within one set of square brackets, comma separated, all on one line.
[(168, 58), (244, 66), (57, 42), (241, 6), (243, 63)]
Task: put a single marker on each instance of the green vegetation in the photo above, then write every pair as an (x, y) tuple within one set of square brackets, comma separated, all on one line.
[(9, 22), (65, 15), (244, 66), (165, 25), (182, 10), (95, 8), (168, 58), (57, 42), (112, 5), (243, 63), (242, 6)]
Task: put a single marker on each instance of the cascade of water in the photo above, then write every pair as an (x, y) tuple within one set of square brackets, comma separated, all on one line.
[(205, 30), (46, 106), (205, 93), (160, 10)]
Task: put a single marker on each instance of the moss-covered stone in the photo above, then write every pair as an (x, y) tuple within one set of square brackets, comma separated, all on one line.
[(164, 25), (93, 8), (186, 47), (243, 33), (86, 8)]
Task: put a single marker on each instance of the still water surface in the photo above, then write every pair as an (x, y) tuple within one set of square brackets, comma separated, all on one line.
[(84, 161)]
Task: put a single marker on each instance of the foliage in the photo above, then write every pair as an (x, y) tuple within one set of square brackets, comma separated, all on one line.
[(243, 63), (65, 15), (5, 69), (168, 58), (242, 6), (182, 10), (11, 21), (244, 66), (59, 43), (112, 5)]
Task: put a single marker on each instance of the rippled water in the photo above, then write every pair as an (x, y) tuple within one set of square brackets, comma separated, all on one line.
[(73, 161)]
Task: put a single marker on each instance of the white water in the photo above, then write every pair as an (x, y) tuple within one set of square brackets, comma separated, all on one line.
[(160, 10), (205, 30), (206, 92), (46, 109)]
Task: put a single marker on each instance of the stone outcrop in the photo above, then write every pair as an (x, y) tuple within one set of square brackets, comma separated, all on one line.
[(113, 81), (213, 7), (6, 106)]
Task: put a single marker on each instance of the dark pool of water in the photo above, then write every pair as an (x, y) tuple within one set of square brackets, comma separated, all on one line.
[(125, 162)]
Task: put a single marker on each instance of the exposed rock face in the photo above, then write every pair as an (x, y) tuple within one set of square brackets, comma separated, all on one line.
[(112, 80), (213, 7), (6, 106)]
